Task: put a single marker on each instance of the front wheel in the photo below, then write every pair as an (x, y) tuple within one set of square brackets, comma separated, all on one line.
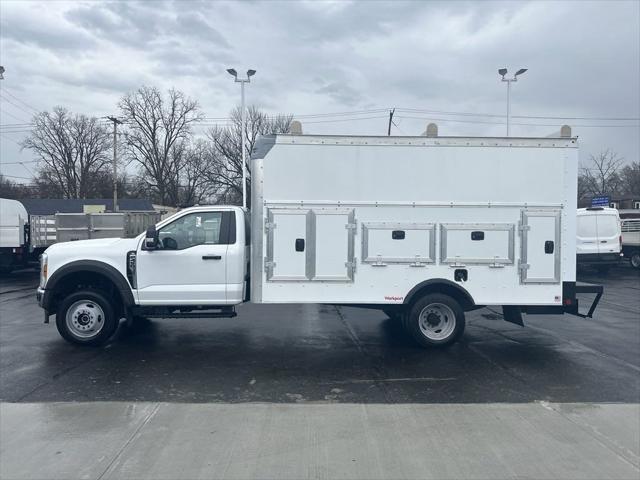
[(435, 320), (86, 318)]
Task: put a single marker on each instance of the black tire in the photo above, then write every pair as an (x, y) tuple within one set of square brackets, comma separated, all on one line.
[(91, 298), (447, 314), (634, 259)]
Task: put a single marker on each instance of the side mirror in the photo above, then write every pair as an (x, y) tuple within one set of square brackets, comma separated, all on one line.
[(151, 238)]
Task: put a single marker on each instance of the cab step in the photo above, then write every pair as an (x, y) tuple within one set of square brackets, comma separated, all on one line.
[(168, 312)]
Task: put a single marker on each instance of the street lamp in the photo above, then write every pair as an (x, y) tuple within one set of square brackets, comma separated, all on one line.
[(503, 72), (250, 73)]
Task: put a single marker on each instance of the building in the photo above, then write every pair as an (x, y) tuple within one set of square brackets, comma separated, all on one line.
[(51, 206)]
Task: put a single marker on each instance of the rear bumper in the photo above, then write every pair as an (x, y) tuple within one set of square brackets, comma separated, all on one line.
[(570, 291), (599, 258)]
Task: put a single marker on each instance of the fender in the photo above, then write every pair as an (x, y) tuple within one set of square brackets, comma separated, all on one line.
[(440, 281), (88, 266)]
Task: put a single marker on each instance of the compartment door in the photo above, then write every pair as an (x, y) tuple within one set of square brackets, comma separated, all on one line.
[(288, 231), (540, 246), (331, 254)]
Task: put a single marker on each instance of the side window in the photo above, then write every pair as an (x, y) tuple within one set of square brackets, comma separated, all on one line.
[(199, 228)]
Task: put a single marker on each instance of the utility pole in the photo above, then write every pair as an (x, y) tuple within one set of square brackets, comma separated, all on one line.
[(250, 73), (116, 122), (391, 112), (503, 72)]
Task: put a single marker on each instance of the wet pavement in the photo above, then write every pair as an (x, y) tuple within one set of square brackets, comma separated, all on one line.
[(309, 391), (311, 353)]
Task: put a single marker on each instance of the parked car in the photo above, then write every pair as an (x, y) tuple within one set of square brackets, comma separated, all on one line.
[(598, 238)]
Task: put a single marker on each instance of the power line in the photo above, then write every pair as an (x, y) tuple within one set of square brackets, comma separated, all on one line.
[(5, 90), (4, 112), (22, 109), (504, 123), (533, 117), (16, 163)]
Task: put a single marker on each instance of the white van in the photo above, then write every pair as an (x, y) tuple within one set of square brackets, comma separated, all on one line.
[(598, 237), (13, 218)]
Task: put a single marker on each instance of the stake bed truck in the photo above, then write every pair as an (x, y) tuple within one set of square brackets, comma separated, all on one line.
[(424, 228)]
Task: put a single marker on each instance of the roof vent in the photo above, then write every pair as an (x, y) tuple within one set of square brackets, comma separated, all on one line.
[(431, 131), (565, 132), (296, 128)]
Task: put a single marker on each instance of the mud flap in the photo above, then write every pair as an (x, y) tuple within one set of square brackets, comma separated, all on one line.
[(512, 314)]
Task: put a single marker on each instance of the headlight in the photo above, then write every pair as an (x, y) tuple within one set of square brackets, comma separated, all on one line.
[(44, 264)]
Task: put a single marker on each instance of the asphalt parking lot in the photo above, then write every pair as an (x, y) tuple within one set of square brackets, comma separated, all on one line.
[(351, 368)]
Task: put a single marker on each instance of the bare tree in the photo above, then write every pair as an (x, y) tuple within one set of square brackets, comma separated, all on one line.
[(630, 179), (602, 175), (225, 159), (158, 128), (73, 149), (15, 190)]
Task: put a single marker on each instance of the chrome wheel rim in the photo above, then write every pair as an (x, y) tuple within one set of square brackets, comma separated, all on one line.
[(85, 319), (437, 321)]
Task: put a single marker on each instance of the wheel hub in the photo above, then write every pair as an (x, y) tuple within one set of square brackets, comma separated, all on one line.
[(437, 321), (433, 319), (84, 319)]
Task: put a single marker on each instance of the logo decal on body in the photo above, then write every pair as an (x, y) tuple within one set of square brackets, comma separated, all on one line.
[(393, 298)]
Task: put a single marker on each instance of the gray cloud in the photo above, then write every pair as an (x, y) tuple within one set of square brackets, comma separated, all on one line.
[(315, 57)]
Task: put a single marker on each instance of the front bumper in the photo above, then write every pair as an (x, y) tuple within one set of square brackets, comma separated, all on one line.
[(40, 296), (599, 258), (42, 301)]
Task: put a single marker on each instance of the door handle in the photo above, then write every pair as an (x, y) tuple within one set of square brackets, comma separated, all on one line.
[(548, 246), (212, 257)]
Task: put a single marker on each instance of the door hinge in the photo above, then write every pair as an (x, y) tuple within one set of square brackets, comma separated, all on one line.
[(269, 225), (523, 266), (351, 265), (351, 226), (495, 263), (269, 263), (523, 227), (419, 262)]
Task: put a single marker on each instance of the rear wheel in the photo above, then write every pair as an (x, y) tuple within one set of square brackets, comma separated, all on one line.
[(86, 318), (435, 320), (634, 260)]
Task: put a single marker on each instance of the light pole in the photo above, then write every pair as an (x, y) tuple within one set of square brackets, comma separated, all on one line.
[(241, 81), (503, 72)]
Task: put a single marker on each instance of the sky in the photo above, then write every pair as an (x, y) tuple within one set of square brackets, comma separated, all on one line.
[(338, 66)]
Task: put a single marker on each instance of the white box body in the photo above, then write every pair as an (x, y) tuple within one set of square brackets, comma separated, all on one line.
[(376, 216)]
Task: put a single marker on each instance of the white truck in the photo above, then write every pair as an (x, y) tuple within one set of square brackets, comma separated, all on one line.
[(13, 234), (631, 238), (424, 228)]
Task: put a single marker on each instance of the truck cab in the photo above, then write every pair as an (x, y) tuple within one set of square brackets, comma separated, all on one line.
[(195, 262)]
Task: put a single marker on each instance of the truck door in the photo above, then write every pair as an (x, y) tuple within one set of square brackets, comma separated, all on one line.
[(189, 267), (288, 234), (540, 246), (609, 233), (586, 235), (310, 244)]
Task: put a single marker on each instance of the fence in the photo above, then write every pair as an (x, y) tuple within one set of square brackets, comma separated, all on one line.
[(64, 227)]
